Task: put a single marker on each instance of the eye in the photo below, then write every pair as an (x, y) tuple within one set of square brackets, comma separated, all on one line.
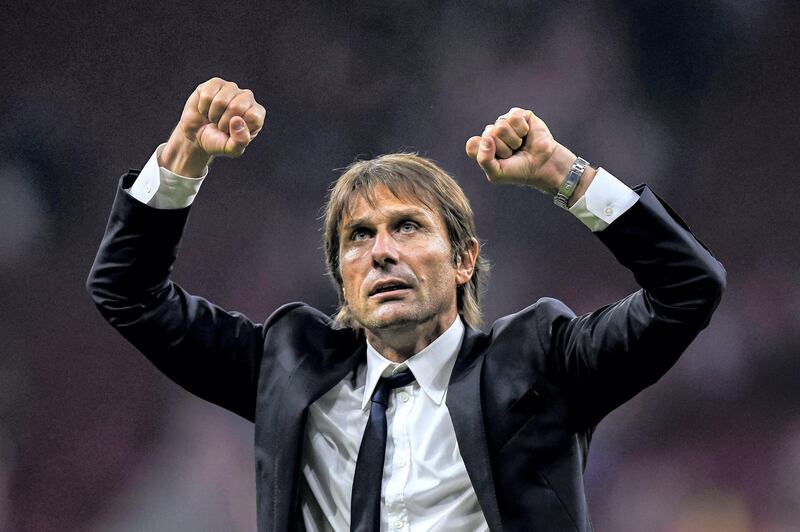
[(359, 234), (407, 227)]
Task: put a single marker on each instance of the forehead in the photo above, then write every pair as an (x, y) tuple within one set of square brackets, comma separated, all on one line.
[(379, 200)]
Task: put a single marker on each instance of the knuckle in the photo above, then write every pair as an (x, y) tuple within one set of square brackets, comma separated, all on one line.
[(212, 84), (219, 102), (257, 111), (237, 108), (246, 98), (503, 129), (516, 129), (205, 101), (253, 115)]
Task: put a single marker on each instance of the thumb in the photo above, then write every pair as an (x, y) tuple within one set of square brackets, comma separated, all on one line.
[(485, 157), (472, 146), (239, 137), (238, 129)]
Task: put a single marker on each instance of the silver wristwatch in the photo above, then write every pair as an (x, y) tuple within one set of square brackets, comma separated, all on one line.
[(570, 183)]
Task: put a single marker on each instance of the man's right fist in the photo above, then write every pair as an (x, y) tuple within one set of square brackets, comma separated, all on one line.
[(219, 118)]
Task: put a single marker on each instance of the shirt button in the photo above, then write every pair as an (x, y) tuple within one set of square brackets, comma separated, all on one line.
[(398, 524), (609, 211), (402, 462), (404, 397), (147, 188)]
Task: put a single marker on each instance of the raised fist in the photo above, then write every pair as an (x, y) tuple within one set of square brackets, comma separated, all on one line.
[(517, 148), (219, 118), (222, 118)]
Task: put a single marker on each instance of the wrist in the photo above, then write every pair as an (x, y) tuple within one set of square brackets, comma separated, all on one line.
[(554, 171), (580, 190), (183, 157), (557, 170)]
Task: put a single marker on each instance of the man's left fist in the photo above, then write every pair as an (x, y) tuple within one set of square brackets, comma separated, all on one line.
[(518, 149)]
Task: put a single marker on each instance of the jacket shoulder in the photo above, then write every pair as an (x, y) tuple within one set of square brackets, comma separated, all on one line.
[(300, 324), (539, 318), (520, 343)]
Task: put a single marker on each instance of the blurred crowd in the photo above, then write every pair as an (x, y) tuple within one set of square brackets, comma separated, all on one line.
[(698, 99)]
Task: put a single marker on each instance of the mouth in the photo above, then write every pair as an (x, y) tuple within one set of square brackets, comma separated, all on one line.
[(388, 288)]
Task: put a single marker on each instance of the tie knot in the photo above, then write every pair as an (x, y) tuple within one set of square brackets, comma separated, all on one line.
[(386, 384)]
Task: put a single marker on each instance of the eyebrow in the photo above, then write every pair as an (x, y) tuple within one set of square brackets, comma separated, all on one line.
[(410, 212)]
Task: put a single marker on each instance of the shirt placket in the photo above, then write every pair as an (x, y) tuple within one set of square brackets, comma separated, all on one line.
[(399, 459)]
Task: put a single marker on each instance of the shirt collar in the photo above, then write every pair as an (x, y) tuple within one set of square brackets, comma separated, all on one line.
[(431, 367)]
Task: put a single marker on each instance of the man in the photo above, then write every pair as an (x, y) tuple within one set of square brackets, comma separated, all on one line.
[(398, 413)]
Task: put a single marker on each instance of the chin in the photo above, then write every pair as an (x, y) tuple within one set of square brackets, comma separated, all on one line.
[(374, 323), (388, 319)]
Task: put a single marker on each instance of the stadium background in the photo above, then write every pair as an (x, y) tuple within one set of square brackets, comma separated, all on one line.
[(698, 99)]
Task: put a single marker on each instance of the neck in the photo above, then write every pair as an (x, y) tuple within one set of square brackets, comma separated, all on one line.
[(400, 343)]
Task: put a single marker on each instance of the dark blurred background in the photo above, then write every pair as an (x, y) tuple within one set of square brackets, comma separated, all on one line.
[(698, 99)]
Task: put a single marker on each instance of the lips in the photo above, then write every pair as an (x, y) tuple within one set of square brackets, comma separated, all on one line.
[(388, 286)]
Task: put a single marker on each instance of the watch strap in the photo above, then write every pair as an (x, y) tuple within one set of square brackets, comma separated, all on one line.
[(570, 182)]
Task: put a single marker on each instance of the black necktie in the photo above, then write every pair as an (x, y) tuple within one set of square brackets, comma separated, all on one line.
[(365, 504)]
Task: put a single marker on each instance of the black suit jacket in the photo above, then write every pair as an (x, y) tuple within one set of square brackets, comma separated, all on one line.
[(524, 397)]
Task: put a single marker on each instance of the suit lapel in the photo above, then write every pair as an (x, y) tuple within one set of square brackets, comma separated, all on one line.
[(314, 376), (464, 404), (317, 377)]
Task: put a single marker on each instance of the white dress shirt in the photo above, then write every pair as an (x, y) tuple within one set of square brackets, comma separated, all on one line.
[(425, 483)]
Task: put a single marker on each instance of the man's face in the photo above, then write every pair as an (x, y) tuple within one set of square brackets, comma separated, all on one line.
[(396, 264)]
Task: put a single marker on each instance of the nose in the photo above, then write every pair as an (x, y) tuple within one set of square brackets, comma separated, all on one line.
[(384, 250)]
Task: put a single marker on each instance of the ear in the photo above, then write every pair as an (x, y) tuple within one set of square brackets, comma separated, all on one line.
[(465, 262)]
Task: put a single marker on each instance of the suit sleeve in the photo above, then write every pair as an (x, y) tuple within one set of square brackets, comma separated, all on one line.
[(609, 355), (211, 352)]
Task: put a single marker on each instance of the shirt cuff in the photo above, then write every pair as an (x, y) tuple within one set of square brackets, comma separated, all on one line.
[(159, 188), (604, 201)]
